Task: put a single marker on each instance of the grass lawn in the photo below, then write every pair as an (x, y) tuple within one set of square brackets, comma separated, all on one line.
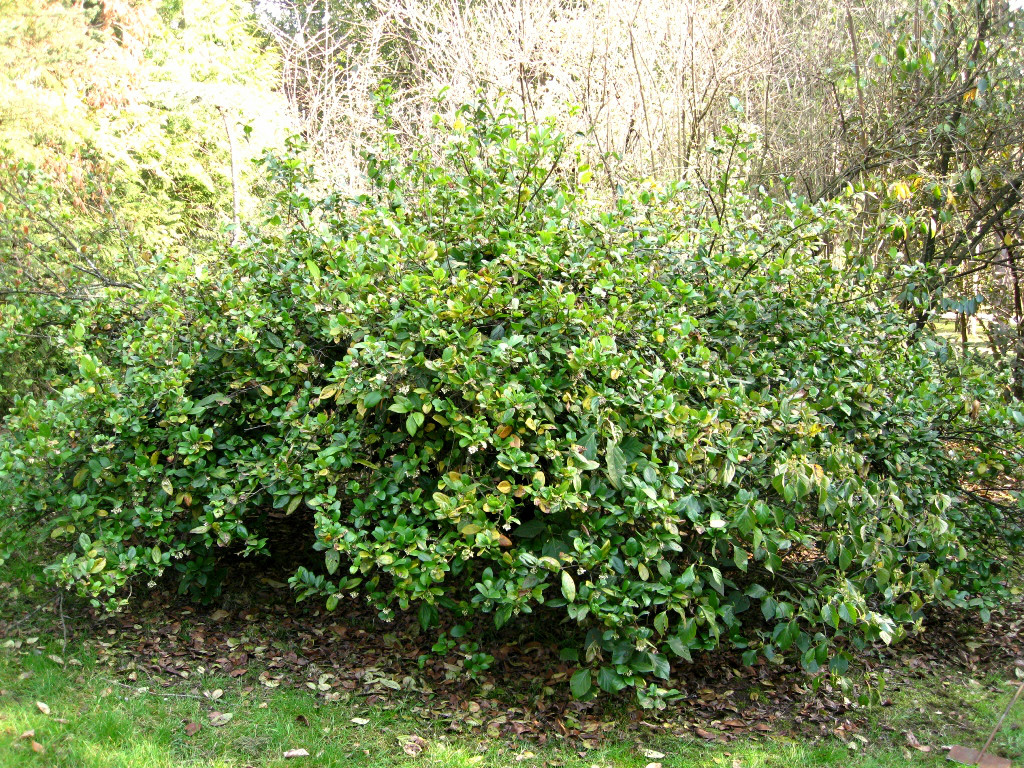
[(97, 720), (104, 700)]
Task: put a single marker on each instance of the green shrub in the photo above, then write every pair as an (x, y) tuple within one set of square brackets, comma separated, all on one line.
[(55, 254), (685, 420)]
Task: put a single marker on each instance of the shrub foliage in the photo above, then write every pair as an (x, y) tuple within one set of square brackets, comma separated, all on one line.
[(678, 420)]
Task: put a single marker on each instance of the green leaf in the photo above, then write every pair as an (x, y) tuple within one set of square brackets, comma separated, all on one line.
[(530, 529), (414, 422), (616, 461), (581, 683), (662, 668), (314, 271), (715, 580), (609, 680), (428, 615), (845, 558), (679, 648), (568, 587), (661, 622), (688, 576), (779, 484), (157, 555), (739, 557), (839, 664), (846, 614), (332, 559)]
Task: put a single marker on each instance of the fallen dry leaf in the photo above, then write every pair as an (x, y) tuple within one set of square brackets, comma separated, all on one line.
[(217, 719), (191, 729), (43, 707), (28, 734), (913, 742), (652, 754), (296, 753), (413, 745), (653, 765), (359, 721), (37, 747)]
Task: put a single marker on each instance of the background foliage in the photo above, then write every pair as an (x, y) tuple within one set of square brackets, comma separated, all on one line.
[(916, 104), (117, 125)]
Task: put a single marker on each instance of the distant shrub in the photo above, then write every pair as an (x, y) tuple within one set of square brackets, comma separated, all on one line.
[(683, 420)]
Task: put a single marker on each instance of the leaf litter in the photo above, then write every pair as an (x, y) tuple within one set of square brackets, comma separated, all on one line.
[(525, 692)]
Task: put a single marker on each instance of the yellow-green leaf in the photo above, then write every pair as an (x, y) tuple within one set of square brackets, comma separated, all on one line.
[(568, 587), (314, 271)]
